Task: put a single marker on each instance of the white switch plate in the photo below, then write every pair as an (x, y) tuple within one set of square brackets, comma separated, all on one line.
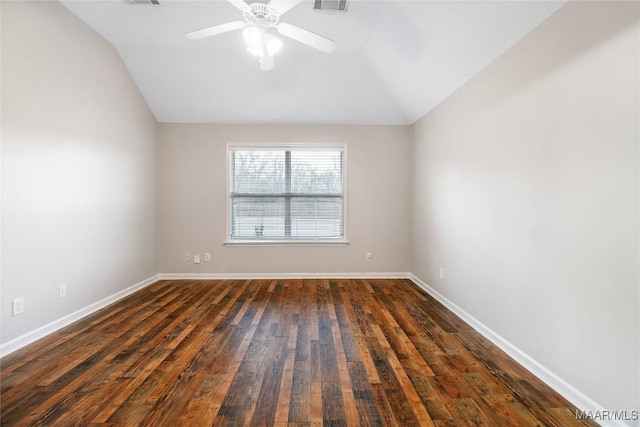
[(62, 291), (196, 259), (187, 256), (17, 306), (369, 256), (207, 256)]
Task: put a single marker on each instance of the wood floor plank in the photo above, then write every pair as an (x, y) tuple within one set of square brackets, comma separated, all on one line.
[(294, 353), (348, 401), (301, 382), (284, 396), (315, 404)]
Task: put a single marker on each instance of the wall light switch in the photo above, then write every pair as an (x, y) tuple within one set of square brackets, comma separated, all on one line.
[(207, 256), (196, 259)]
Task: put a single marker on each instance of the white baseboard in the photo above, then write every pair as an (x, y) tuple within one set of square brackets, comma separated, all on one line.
[(569, 392), (49, 328), (244, 276)]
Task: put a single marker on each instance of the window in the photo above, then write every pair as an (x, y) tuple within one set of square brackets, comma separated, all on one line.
[(286, 194)]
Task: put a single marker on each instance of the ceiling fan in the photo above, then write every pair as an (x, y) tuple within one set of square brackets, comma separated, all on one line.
[(259, 18)]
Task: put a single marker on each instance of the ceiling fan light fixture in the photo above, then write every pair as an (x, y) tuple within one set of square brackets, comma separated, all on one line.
[(252, 36), (272, 44)]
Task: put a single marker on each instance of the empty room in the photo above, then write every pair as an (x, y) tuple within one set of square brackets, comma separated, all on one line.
[(320, 213)]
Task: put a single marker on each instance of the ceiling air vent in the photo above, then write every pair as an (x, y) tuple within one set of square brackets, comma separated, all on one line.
[(152, 2), (330, 6)]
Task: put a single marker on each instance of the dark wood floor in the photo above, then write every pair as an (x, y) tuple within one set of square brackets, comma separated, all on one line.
[(273, 352)]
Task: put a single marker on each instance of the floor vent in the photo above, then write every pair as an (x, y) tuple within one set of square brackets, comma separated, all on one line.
[(330, 6)]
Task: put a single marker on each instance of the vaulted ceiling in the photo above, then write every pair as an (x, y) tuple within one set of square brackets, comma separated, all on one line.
[(395, 60)]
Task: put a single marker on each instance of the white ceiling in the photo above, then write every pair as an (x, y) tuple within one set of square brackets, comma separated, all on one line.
[(395, 60)]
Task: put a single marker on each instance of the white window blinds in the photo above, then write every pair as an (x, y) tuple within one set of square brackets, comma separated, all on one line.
[(286, 193)]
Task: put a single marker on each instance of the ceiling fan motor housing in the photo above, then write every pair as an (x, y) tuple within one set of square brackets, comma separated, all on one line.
[(261, 15)]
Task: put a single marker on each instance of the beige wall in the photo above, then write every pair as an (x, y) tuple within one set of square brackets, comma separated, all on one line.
[(78, 168), (527, 193), (192, 200)]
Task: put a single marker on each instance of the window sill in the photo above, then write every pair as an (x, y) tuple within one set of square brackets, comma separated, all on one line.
[(286, 243)]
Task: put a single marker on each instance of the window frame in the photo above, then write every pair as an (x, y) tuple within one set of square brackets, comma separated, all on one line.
[(229, 241)]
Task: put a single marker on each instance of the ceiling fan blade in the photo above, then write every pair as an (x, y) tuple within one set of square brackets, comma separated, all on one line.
[(306, 37), (266, 62), (215, 30), (281, 6), (240, 4)]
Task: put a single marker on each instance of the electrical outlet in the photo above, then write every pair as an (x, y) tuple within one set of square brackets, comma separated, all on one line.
[(187, 256), (369, 256), (196, 259), (62, 291), (441, 273), (17, 306), (207, 256)]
